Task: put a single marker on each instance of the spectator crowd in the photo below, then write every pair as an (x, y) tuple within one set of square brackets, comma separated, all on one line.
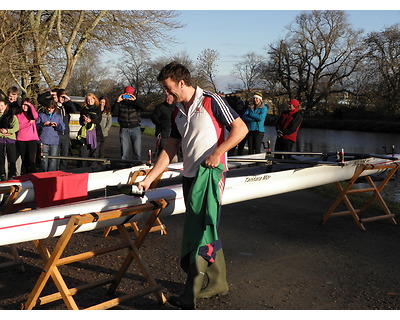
[(38, 139)]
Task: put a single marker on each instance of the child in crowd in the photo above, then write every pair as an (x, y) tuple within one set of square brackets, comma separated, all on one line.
[(48, 125), (90, 135), (27, 136), (106, 122), (8, 127)]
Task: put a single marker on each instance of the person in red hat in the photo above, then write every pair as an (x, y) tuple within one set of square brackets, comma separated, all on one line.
[(287, 127), (127, 108)]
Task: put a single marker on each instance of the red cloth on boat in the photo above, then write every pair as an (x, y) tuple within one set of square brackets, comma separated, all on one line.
[(57, 187)]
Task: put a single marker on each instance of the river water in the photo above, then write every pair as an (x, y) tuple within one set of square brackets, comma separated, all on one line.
[(324, 140)]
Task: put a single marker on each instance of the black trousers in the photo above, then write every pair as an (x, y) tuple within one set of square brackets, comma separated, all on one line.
[(282, 144), (8, 150), (27, 150), (254, 139)]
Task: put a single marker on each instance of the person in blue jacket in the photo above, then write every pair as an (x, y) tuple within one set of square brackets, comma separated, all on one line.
[(49, 124), (254, 117)]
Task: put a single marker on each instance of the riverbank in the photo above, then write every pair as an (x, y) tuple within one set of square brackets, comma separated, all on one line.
[(278, 258), (367, 125)]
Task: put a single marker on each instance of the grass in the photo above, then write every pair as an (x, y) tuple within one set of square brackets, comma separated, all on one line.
[(147, 131)]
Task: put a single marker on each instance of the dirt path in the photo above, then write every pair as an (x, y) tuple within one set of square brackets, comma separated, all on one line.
[(278, 258)]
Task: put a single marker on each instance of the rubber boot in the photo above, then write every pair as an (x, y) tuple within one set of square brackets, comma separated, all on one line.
[(217, 284), (194, 282)]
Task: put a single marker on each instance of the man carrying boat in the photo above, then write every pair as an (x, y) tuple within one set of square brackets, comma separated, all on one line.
[(198, 124)]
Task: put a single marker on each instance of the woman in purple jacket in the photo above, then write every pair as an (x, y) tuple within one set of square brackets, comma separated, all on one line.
[(48, 125), (27, 136)]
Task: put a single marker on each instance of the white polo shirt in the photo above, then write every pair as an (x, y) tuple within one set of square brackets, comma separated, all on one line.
[(202, 129)]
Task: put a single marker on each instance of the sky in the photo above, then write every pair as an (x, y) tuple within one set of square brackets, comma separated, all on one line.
[(235, 29), (234, 33)]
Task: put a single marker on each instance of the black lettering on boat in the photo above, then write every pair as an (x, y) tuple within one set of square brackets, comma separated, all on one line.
[(257, 178)]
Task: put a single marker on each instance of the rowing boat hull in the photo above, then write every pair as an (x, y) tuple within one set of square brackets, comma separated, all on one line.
[(100, 180), (96, 180), (242, 185)]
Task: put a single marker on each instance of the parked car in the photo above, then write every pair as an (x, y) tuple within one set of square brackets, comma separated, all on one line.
[(74, 125)]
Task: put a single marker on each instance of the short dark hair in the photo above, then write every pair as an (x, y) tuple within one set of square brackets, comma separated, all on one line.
[(51, 104), (12, 90), (176, 72), (60, 92)]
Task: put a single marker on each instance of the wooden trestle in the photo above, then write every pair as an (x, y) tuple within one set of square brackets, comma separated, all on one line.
[(376, 194), (53, 260), (10, 194), (158, 225)]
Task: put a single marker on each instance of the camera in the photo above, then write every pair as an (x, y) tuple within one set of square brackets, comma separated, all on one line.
[(126, 96)]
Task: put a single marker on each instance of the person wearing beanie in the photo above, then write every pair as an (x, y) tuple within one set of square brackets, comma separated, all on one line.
[(287, 127), (254, 117), (127, 109)]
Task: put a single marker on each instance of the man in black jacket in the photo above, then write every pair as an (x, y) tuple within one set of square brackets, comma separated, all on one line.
[(65, 107), (127, 108), (13, 101), (161, 117)]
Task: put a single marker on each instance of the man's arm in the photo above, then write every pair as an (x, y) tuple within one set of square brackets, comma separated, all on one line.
[(156, 115), (70, 106), (237, 134), (164, 159)]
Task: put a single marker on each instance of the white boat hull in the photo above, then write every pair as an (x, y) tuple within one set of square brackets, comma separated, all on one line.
[(100, 180), (51, 221)]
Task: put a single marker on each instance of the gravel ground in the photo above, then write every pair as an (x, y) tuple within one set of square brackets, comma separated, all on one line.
[(278, 258)]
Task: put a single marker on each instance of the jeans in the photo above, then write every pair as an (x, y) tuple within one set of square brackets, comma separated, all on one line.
[(49, 150), (131, 142), (64, 145)]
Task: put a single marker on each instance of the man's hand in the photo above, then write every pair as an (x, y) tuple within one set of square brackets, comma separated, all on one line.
[(213, 160), (144, 185)]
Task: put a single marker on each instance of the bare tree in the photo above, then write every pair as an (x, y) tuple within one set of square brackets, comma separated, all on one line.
[(320, 52), (87, 75), (133, 68), (60, 37), (249, 71), (383, 68), (207, 66)]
